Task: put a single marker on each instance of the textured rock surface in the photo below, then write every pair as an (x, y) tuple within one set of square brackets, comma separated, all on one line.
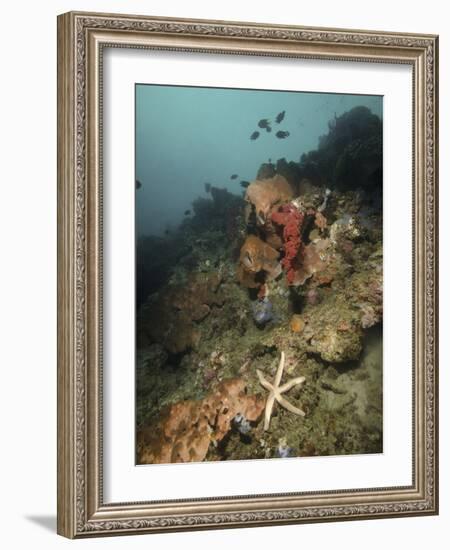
[(187, 428), (170, 317)]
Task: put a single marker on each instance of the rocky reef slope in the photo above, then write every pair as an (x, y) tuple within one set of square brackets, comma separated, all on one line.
[(293, 266)]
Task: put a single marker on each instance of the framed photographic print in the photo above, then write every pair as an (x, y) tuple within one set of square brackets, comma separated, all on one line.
[(247, 274)]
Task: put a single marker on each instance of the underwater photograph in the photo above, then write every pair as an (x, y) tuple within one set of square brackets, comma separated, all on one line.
[(259, 274)]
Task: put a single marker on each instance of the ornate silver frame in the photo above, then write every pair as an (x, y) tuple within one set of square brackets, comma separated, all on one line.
[(81, 39)]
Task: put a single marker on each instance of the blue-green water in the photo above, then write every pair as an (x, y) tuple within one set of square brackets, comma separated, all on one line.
[(186, 136)]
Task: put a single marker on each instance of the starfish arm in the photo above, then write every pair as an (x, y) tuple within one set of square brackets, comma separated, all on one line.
[(269, 407), (291, 384), (279, 373), (284, 403), (263, 381)]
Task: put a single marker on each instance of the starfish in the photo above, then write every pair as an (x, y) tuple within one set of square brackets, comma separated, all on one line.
[(275, 391)]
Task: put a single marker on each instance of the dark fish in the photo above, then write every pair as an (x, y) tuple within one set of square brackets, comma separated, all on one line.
[(280, 117), (187, 212), (166, 232), (268, 129), (244, 183), (233, 177), (263, 123), (207, 187), (138, 184), (255, 135), (281, 134)]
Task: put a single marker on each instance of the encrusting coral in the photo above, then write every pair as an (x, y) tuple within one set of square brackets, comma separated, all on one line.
[(314, 260), (187, 428), (257, 257)]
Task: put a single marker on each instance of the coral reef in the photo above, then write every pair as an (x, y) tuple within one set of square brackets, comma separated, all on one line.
[(294, 266), (257, 261), (264, 194), (187, 428), (350, 155), (291, 219), (262, 311), (170, 317), (218, 211), (266, 171), (315, 260), (297, 323), (156, 260)]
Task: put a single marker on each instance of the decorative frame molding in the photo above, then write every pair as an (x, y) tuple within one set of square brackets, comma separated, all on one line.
[(81, 37)]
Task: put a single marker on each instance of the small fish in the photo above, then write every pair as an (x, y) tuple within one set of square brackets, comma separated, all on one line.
[(263, 123), (268, 129), (280, 117), (138, 184), (233, 177), (282, 134), (207, 187), (255, 135), (167, 232), (244, 183), (187, 212)]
